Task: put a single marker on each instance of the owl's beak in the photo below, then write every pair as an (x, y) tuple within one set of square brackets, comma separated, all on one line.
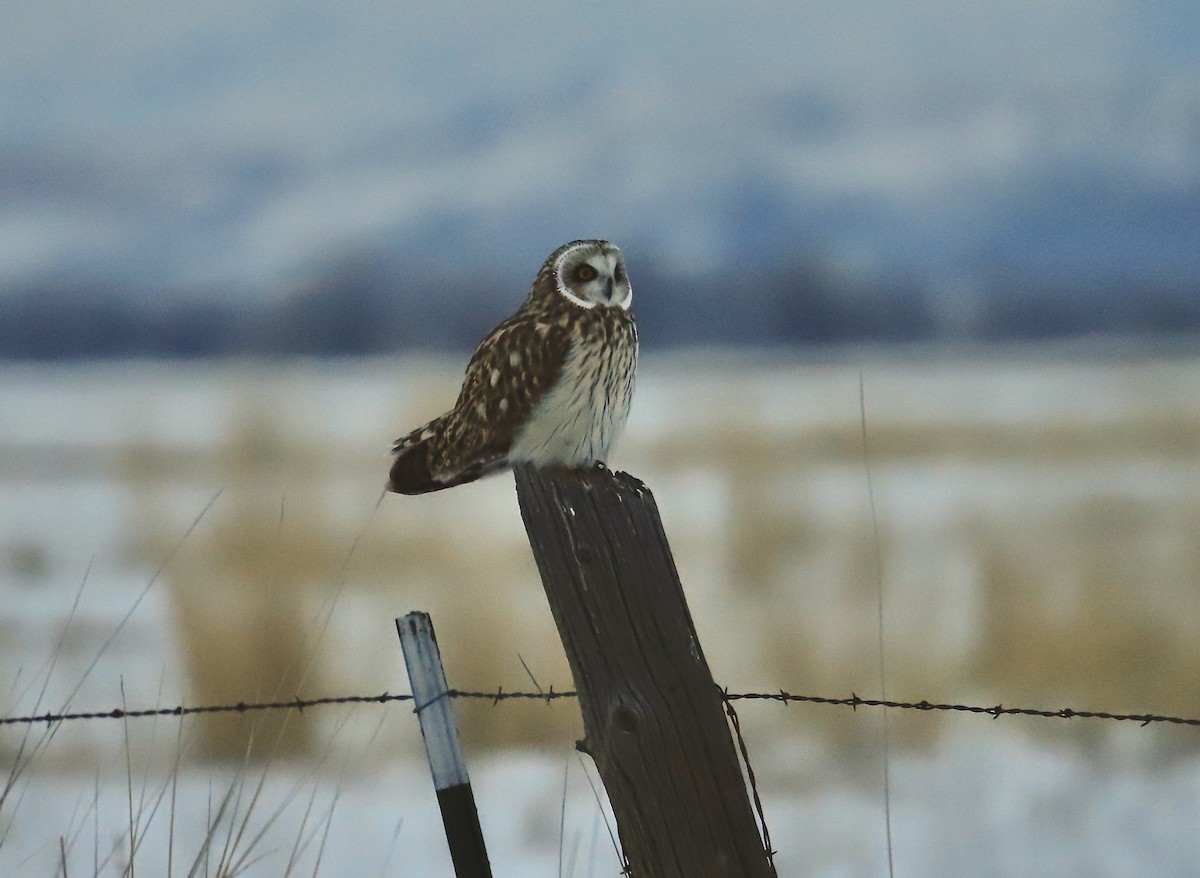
[(608, 288)]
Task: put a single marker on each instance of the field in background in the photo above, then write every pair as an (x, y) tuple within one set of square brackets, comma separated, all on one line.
[(1038, 521)]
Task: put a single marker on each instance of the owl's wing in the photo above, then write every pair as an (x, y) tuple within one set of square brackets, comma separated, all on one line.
[(510, 372)]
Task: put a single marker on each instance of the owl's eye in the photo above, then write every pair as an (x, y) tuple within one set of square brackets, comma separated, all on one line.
[(586, 272)]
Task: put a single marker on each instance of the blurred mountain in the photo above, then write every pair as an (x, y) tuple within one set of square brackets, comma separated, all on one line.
[(386, 175)]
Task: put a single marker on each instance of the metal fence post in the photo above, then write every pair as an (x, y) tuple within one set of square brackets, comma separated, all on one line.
[(435, 713)]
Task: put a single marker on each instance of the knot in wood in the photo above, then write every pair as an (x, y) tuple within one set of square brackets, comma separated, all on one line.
[(624, 719)]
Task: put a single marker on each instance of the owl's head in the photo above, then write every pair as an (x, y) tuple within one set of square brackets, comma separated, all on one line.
[(591, 274)]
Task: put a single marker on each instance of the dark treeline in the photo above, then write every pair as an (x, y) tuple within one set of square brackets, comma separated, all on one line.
[(373, 308)]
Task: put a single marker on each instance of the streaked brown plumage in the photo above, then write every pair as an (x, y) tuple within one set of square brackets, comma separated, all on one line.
[(550, 385)]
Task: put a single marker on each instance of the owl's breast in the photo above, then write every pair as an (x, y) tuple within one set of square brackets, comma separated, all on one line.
[(579, 419)]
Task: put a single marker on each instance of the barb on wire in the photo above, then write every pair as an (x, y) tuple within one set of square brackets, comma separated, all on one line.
[(853, 701)]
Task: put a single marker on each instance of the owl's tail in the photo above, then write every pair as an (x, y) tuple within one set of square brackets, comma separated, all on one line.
[(411, 471), (420, 465)]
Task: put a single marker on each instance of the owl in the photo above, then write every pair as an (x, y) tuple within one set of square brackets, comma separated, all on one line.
[(550, 386)]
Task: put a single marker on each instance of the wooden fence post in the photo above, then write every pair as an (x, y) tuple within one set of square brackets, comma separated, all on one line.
[(652, 715), (431, 698)]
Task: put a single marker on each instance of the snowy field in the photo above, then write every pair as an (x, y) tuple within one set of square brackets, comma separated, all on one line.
[(1039, 533), (987, 800)]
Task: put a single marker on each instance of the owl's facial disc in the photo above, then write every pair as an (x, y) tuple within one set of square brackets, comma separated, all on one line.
[(592, 275)]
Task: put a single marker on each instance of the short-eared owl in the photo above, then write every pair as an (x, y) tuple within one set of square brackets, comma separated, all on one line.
[(550, 386)]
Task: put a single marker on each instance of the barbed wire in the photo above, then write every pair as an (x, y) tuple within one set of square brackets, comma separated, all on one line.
[(736, 724), (852, 701), (181, 710)]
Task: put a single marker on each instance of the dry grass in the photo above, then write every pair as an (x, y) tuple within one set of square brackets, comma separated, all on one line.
[(1048, 596)]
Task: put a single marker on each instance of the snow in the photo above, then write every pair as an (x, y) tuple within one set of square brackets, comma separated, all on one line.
[(768, 540), (987, 800)]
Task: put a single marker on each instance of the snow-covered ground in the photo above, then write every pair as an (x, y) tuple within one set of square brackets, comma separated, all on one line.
[(1038, 524), (986, 800)]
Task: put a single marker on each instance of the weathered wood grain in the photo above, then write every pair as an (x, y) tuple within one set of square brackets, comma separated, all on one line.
[(652, 715)]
